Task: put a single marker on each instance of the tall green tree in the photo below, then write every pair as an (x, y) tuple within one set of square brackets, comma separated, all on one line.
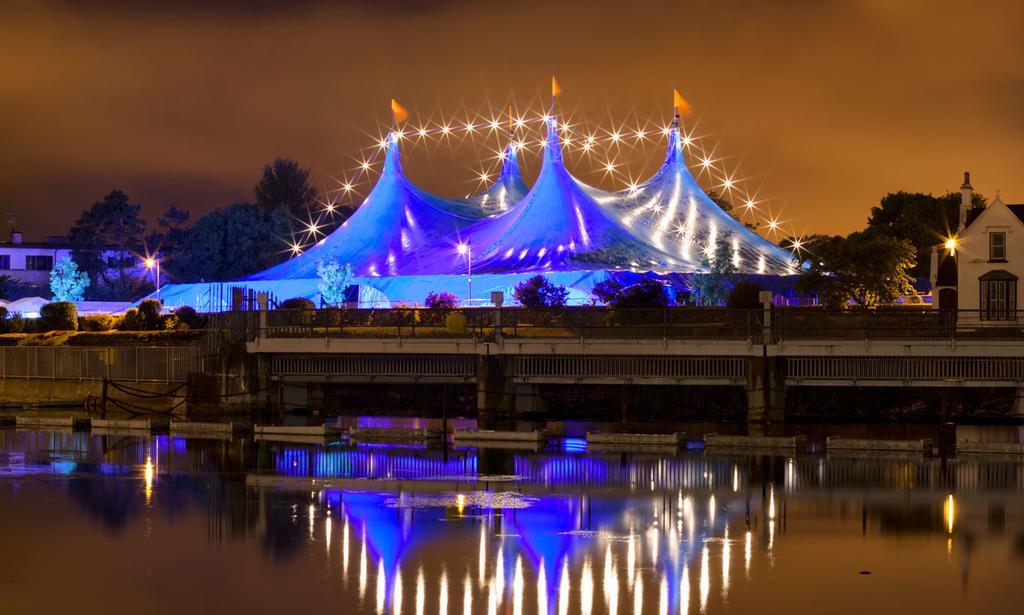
[(867, 269), (285, 184), (922, 219), (167, 239), (111, 224), (229, 243)]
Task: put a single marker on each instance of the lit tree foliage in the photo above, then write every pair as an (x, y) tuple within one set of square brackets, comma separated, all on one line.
[(67, 283), (712, 288), (335, 279), (867, 269), (922, 219)]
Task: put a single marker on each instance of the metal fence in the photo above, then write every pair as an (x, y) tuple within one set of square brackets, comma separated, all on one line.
[(685, 323), (572, 322), (640, 368), (413, 366), (905, 369), (128, 363)]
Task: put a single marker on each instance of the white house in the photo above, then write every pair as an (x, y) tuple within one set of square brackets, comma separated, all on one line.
[(987, 258), (30, 263)]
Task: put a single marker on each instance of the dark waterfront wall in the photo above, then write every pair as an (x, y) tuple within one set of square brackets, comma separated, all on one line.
[(672, 403)]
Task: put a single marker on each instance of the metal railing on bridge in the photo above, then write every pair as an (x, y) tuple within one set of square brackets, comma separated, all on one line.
[(595, 322), (567, 322), (128, 363)]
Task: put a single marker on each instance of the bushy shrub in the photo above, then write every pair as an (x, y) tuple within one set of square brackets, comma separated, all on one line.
[(744, 296), (439, 306), (188, 316), (58, 316), (297, 303), (150, 312), (97, 322), (443, 300), (15, 323), (539, 292), (647, 293), (132, 321)]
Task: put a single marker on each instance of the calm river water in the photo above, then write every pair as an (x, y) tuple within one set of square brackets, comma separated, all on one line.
[(130, 524)]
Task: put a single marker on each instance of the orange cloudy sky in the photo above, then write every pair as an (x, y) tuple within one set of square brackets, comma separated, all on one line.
[(823, 105)]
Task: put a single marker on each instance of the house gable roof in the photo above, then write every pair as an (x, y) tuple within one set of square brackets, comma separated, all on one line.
[(976, 214)]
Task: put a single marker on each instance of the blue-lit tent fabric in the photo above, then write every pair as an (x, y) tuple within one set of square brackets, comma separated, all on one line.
[(507, 190), (671, 212), (403, 242), (394, 219), (558, 226)]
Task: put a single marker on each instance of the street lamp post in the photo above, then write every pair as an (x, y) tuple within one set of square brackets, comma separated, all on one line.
[(466, 250), (154, 263)]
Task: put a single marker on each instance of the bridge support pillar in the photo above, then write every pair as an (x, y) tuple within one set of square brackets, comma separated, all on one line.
[(527, 398), (766, 391), (495, 390), (315, 397)]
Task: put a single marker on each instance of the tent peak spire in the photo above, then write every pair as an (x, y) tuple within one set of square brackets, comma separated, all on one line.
[(552, 144), (392, 156), (510, 161)]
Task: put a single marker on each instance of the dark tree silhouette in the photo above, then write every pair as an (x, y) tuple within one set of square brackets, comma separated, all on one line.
[(113, 223), (285, 184)]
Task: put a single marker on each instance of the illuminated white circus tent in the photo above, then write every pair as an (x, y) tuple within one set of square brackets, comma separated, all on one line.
[(404, 242)]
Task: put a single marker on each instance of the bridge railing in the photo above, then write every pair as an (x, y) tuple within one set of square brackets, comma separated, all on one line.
[(490, 323), (595, 322), (895, 324)]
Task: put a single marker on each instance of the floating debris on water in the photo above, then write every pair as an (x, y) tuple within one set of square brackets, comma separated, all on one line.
[(481, 499)]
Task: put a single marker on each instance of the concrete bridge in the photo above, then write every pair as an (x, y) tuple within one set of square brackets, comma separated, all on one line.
[(508, 352)]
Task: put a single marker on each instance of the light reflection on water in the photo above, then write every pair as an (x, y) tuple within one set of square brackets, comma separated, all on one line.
[(405, 530)]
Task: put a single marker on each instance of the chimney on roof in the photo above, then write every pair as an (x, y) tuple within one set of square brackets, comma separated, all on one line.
[(966, 199), (15, 236)]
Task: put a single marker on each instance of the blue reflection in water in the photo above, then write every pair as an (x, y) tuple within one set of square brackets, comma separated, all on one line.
[(574, 445), (372, 464)]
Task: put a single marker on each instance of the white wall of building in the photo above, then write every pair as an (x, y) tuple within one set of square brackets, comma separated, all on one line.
[(973, 253)]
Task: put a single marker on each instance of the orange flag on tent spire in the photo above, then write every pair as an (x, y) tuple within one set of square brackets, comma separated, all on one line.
[(555, 89), (511, 120), (681, 105), (399, 112)]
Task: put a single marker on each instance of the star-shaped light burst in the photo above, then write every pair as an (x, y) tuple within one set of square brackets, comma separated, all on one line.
[(575, 139)]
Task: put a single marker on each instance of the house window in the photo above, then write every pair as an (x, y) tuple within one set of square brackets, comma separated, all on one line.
[(5, 262), (998, 299), (39, 263), (997, 246)]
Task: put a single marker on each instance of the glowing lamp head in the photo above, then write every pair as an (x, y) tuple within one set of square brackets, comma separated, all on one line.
[(150, 262), (462, 248), (951, 244)]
